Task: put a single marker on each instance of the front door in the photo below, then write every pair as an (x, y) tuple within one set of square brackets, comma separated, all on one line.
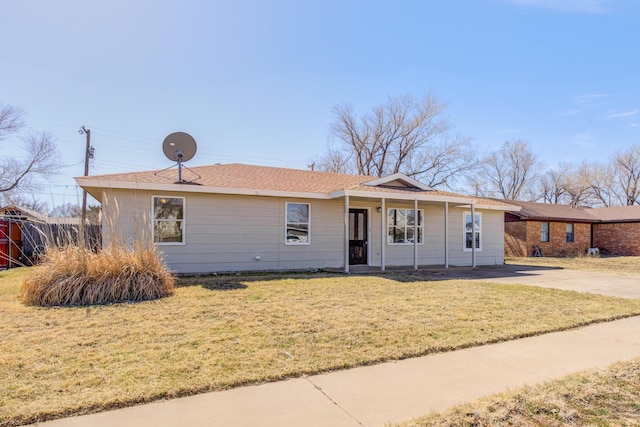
[(357, 236)]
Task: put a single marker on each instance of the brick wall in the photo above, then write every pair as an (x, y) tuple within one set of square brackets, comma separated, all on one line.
[(515, 239), (618, 239), (521, 236)]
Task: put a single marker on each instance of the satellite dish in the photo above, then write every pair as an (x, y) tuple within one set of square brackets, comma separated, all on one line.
[(179, 147)]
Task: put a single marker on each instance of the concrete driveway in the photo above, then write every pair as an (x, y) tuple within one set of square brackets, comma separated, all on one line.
[(618, 285)]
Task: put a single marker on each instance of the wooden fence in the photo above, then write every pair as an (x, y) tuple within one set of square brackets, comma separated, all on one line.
[(35, 238)]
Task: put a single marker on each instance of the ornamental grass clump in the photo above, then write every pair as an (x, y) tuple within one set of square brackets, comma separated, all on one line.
[(74, 275)]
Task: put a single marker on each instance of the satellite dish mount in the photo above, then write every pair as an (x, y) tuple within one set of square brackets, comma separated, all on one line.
[(180, 147)]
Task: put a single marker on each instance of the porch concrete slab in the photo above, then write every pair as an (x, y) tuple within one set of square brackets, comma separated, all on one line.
[(287, 403)]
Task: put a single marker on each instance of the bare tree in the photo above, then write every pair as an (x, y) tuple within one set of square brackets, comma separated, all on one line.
[(626, 167), (405, 134), (512, 171), (602, 178), (332, 160), (553, 183), (40, 158), (67, 210), (11, 120), (579, 186), (442, 163), (28, 202)]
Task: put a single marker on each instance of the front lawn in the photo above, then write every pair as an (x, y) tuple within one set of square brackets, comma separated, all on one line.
[(628, 265), (219, 332), (599, 397)]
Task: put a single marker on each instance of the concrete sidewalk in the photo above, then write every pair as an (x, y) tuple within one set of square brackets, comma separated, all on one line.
[(389, 392)]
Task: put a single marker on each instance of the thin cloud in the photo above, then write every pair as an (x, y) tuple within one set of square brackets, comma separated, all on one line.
[(570, 113), (584, 140), (590, 99), (583, 6), (623, 114)]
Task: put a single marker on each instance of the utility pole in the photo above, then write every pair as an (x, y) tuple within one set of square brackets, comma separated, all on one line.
[(87, 155)]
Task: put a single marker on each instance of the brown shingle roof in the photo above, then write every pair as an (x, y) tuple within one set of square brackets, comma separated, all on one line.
[(237, 175), (549, 211), (618, 213)]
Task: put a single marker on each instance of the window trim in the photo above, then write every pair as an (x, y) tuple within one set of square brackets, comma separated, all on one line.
[(548, 232), (464, 231), (573, 232), (183, 221), (420, 228), (286, 222)]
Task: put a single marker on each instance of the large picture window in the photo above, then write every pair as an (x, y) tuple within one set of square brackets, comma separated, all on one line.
[(297, 224), (401, 223), (168, 220), (468, 231)]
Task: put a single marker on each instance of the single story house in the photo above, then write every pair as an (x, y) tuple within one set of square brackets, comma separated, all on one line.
[(617, 231), (561, 230), (237, 217)]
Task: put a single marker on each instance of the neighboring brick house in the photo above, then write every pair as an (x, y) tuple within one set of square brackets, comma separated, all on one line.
[(561, 230), (618, 230)]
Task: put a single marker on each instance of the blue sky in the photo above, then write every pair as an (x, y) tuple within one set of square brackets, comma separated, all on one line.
[(256, 81)]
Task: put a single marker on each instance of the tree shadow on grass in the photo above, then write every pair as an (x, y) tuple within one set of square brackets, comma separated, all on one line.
[(212, 283), (235, 281), (224, 286)]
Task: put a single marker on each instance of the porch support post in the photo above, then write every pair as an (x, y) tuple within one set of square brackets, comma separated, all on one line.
[(346, 233), (415, 234), (446, 234), (383, 232), (473, 235)]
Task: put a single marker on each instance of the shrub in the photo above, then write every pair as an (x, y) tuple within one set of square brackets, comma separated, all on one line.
[(74, 275)]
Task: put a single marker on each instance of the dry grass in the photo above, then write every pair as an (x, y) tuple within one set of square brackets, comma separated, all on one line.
[(222, 332), (620, 265), (74, 275), (603, 397)]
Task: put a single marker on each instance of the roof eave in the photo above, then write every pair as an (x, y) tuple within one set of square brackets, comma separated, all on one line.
[(425, 196), (94, 187)]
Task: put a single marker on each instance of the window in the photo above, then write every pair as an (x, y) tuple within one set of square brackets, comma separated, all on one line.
[(569, 233), (544, 231), (401, 223), (168, 220), (468, 231), (297, 225)]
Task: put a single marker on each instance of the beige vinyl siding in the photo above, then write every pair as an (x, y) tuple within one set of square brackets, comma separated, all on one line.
[(492, 252), (225, 233)]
